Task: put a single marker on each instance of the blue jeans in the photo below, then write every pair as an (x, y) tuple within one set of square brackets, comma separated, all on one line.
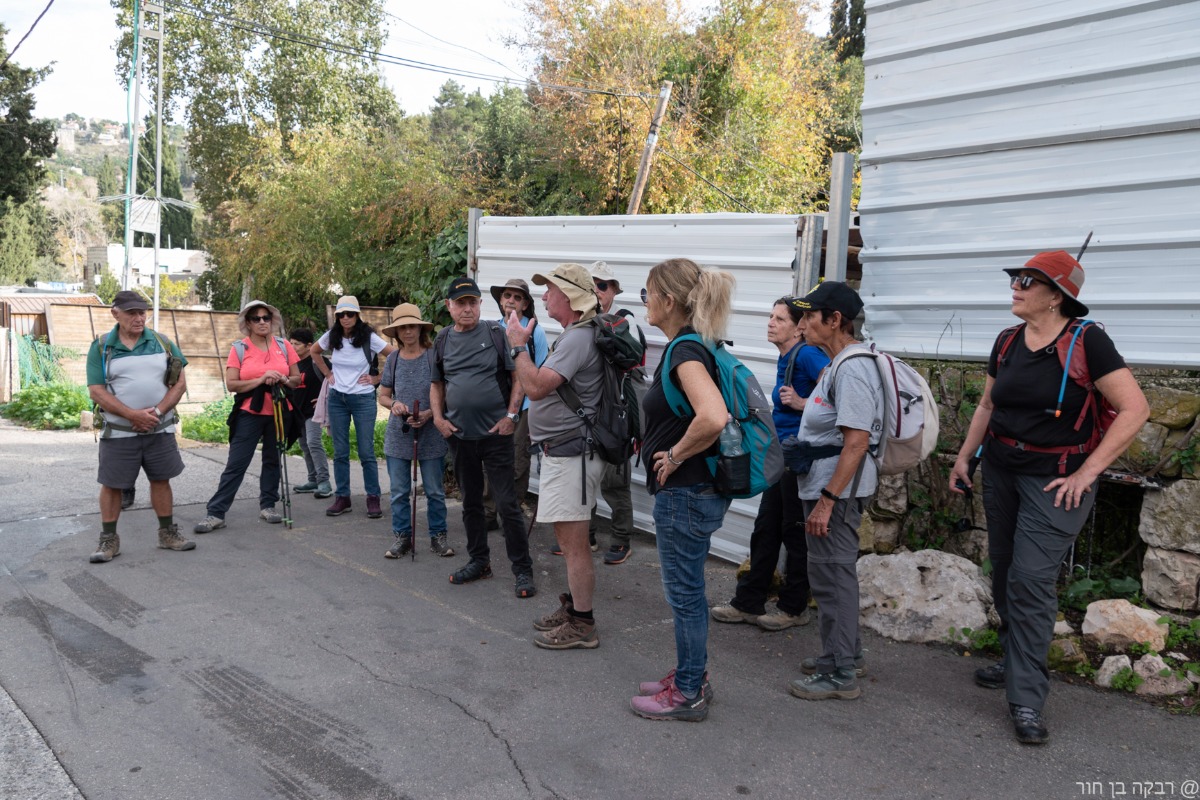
[(400, 474), (685, 519), (361, 408)]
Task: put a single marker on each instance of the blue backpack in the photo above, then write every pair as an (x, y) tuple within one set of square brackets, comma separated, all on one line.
[(746, 402)]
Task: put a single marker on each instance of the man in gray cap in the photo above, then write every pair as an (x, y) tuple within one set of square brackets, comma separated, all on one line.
[(136, 377), (614, 486)]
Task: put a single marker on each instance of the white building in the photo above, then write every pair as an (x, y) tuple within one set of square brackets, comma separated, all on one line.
[(174, 263)]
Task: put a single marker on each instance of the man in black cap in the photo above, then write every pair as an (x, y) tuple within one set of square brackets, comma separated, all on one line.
[(136, 377), (475, 400)]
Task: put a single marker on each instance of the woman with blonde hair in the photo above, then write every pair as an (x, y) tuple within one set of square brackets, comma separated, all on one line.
[(682, 298)]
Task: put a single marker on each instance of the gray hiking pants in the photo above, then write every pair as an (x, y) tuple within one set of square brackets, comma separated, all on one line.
[(833, 577)]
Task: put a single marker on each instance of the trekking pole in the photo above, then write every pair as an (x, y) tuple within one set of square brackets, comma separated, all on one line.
[(412, 496), (281, 444)]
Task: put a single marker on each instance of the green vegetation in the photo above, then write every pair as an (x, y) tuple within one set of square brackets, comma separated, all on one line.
[(209, 426), (1127, 680), (1180, 635), (48, 406), (980, 640)]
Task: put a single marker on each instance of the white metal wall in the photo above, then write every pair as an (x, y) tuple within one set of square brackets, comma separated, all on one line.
[(997, 129), (757, 248)]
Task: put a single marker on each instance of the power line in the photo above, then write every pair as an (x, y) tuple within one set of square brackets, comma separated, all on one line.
[(13, 52), (269, 31), (453, 44), (727, 195)]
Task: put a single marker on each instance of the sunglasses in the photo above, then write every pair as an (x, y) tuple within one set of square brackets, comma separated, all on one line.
[(601, 285), (645, 295), (1025, 281), (259, 318), (344, 314)]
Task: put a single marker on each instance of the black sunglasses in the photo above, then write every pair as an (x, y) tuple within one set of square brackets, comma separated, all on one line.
[(344, 314), (601, 285), (259, 318), (1025, 281)]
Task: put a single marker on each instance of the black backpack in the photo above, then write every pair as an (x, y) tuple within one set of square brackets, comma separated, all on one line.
[(499, 341)]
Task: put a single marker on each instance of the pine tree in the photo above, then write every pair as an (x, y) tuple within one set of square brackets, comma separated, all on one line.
[(175, 225)]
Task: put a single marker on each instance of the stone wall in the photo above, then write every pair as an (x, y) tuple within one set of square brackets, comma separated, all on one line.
[(917, 509)]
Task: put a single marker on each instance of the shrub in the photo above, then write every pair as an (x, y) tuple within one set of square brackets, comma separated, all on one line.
[(54, 405), (209, 425)]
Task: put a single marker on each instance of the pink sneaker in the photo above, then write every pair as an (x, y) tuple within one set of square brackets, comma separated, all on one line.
[(670, 704), (654, 687)]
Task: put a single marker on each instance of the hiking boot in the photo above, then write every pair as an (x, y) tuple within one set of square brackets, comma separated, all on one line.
[(209, 523), (617, 554), (670, 704), (473, 571), (402, 547), (575, 632), (727, 613), (269, 514), (128, 497), (555, 618), (654, 687), (1028, 724), (837, 685), (110, 548), (781, 620), (809, 665), (373, 509), (323, 490), (169, 539), (592, 543), (438, 546), (524, 585), (341, 504), (306, 488), (991, 676)]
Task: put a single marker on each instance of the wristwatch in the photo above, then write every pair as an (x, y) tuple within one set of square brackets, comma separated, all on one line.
[(514, 417), (513, 352)]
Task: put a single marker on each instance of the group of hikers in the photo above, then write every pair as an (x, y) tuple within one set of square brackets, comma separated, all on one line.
[(490, 394)]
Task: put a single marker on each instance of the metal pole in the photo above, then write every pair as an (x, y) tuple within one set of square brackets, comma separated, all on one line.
[(808, 254), (841, 186), (158, 157), (643, 173), (131, 171), (473, 217)]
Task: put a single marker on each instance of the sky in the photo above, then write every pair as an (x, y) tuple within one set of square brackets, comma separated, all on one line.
[(80, 36)]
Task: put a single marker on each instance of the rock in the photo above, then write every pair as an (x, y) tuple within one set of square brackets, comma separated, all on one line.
[(891, 499), (919, 597), (1150, 667), (1109, 669), (1169, 517), (1172, 408), (1065, 654), (1170, 579), (1063, 628), (878, 535), (1119, 624), (1146, 449), (1175, 442)]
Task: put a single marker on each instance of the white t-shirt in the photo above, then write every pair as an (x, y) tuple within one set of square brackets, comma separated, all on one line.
[(350, 364)]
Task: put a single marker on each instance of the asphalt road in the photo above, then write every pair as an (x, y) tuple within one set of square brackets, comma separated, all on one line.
[(300, 664)]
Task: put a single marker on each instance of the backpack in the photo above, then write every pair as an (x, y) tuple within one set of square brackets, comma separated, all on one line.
[(499, 341), (170, 378), (1070, 342), (612, 432), (239, 347), (910, 415), (746, 403)]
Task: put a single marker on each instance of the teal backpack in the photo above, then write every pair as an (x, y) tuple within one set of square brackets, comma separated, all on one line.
[(749, 406)]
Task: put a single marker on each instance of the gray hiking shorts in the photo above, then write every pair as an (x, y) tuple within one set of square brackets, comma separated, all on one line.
[(122, 458)]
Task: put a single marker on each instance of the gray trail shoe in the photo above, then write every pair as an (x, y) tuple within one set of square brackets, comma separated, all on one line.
[(781, 620), (270, 515), (110, 548), (209, 523), (401, 547), (838, 685), (169, 539), (728, 613), (439, 546)]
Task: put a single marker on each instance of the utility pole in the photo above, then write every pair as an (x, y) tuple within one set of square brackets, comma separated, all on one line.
[(135, 87), (643, 173), (158, 128)]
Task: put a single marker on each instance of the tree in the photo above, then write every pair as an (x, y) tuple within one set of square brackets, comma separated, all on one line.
[(110, 182), (107, 288), (79, 225), (18, 243), (175, 224), (847, 26), (24, 142)]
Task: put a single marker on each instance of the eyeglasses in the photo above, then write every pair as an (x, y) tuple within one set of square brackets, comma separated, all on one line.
[(1025, 281), (601, 285), (344, 314), (259, 318)]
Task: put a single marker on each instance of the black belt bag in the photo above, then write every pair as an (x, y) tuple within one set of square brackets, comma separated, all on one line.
[(799, 456), (571, 445)]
